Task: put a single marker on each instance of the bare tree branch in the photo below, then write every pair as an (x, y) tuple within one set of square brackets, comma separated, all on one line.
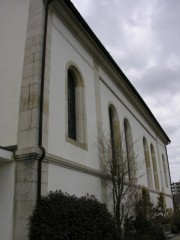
[(119, 162)]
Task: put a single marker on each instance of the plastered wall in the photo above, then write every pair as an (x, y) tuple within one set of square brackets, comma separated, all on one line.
[(13, 24)]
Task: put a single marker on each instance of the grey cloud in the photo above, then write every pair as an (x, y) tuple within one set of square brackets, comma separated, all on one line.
[(166, 25), (135, 59), (170, 129), (159, 79)]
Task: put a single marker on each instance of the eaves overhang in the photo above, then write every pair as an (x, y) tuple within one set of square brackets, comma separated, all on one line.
[(110, 60)]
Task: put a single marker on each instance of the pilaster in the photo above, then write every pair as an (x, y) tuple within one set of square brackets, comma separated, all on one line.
[(26, 190), (31, 79), (99, 124), (28, 153)]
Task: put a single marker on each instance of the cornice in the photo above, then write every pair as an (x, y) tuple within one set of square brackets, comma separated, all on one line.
[(50, 158), (35, 153), (28, 154)]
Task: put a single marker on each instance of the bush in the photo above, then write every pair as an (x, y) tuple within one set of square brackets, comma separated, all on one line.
[(153, 231), (145, 224), (61, 216), (176, 220)]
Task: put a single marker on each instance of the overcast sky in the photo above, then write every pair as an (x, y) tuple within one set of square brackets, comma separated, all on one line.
[(143, 37)]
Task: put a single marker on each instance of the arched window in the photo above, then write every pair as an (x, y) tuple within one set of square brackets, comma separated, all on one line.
[(115, 138), (147, 161), (165, 170), (114, 128), (156, 179), (76, 117), (129, 150), (71, 105)]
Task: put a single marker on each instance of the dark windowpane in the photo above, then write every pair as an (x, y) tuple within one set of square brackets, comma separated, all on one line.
[(71, 106), (111, 128), (126, 131), (114, 149)]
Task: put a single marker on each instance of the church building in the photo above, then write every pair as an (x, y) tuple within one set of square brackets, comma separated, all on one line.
[(57, 83)]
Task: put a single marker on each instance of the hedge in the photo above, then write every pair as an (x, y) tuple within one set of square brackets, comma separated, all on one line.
[(60, 216)]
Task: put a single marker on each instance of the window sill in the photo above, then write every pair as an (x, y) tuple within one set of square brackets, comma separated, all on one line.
[(83, 146)]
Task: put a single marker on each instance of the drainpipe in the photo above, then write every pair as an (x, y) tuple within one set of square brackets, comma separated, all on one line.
[(42, 102)]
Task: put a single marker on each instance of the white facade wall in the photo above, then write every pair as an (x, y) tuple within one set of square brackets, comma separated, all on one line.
[(67, 50), (13, 24), (68, 167), (7, 175), (139, 129), (73, 182)]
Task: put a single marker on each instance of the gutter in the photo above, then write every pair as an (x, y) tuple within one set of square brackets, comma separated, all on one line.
[(40, 136)]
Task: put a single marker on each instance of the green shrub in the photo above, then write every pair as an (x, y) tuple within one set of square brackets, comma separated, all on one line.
[(152, 232), (176, 220), (174, 228), (144, 224), (61, 216)]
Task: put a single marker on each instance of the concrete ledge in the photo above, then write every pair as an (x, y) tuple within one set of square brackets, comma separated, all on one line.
[(5, 156), (50, 158)]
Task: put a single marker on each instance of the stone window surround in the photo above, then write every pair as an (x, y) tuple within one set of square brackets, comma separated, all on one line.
[(154, 163), (81, 120), (129, 147), (165, 171), (147, 162)]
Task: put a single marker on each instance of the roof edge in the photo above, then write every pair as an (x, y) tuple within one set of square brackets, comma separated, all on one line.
[(84, 24)]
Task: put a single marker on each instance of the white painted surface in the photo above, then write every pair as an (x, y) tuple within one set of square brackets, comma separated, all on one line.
[(168, 200), (5, 156), (13, 23), (139, 129), (66, 49), (73, 182), (64, 52), (6, 200)]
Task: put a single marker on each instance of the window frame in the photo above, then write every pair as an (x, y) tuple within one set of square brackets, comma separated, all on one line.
[(155, 169), (129, 149), (80, 139), (71, 86), (114, 136), (148, 163), (165, 171)]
